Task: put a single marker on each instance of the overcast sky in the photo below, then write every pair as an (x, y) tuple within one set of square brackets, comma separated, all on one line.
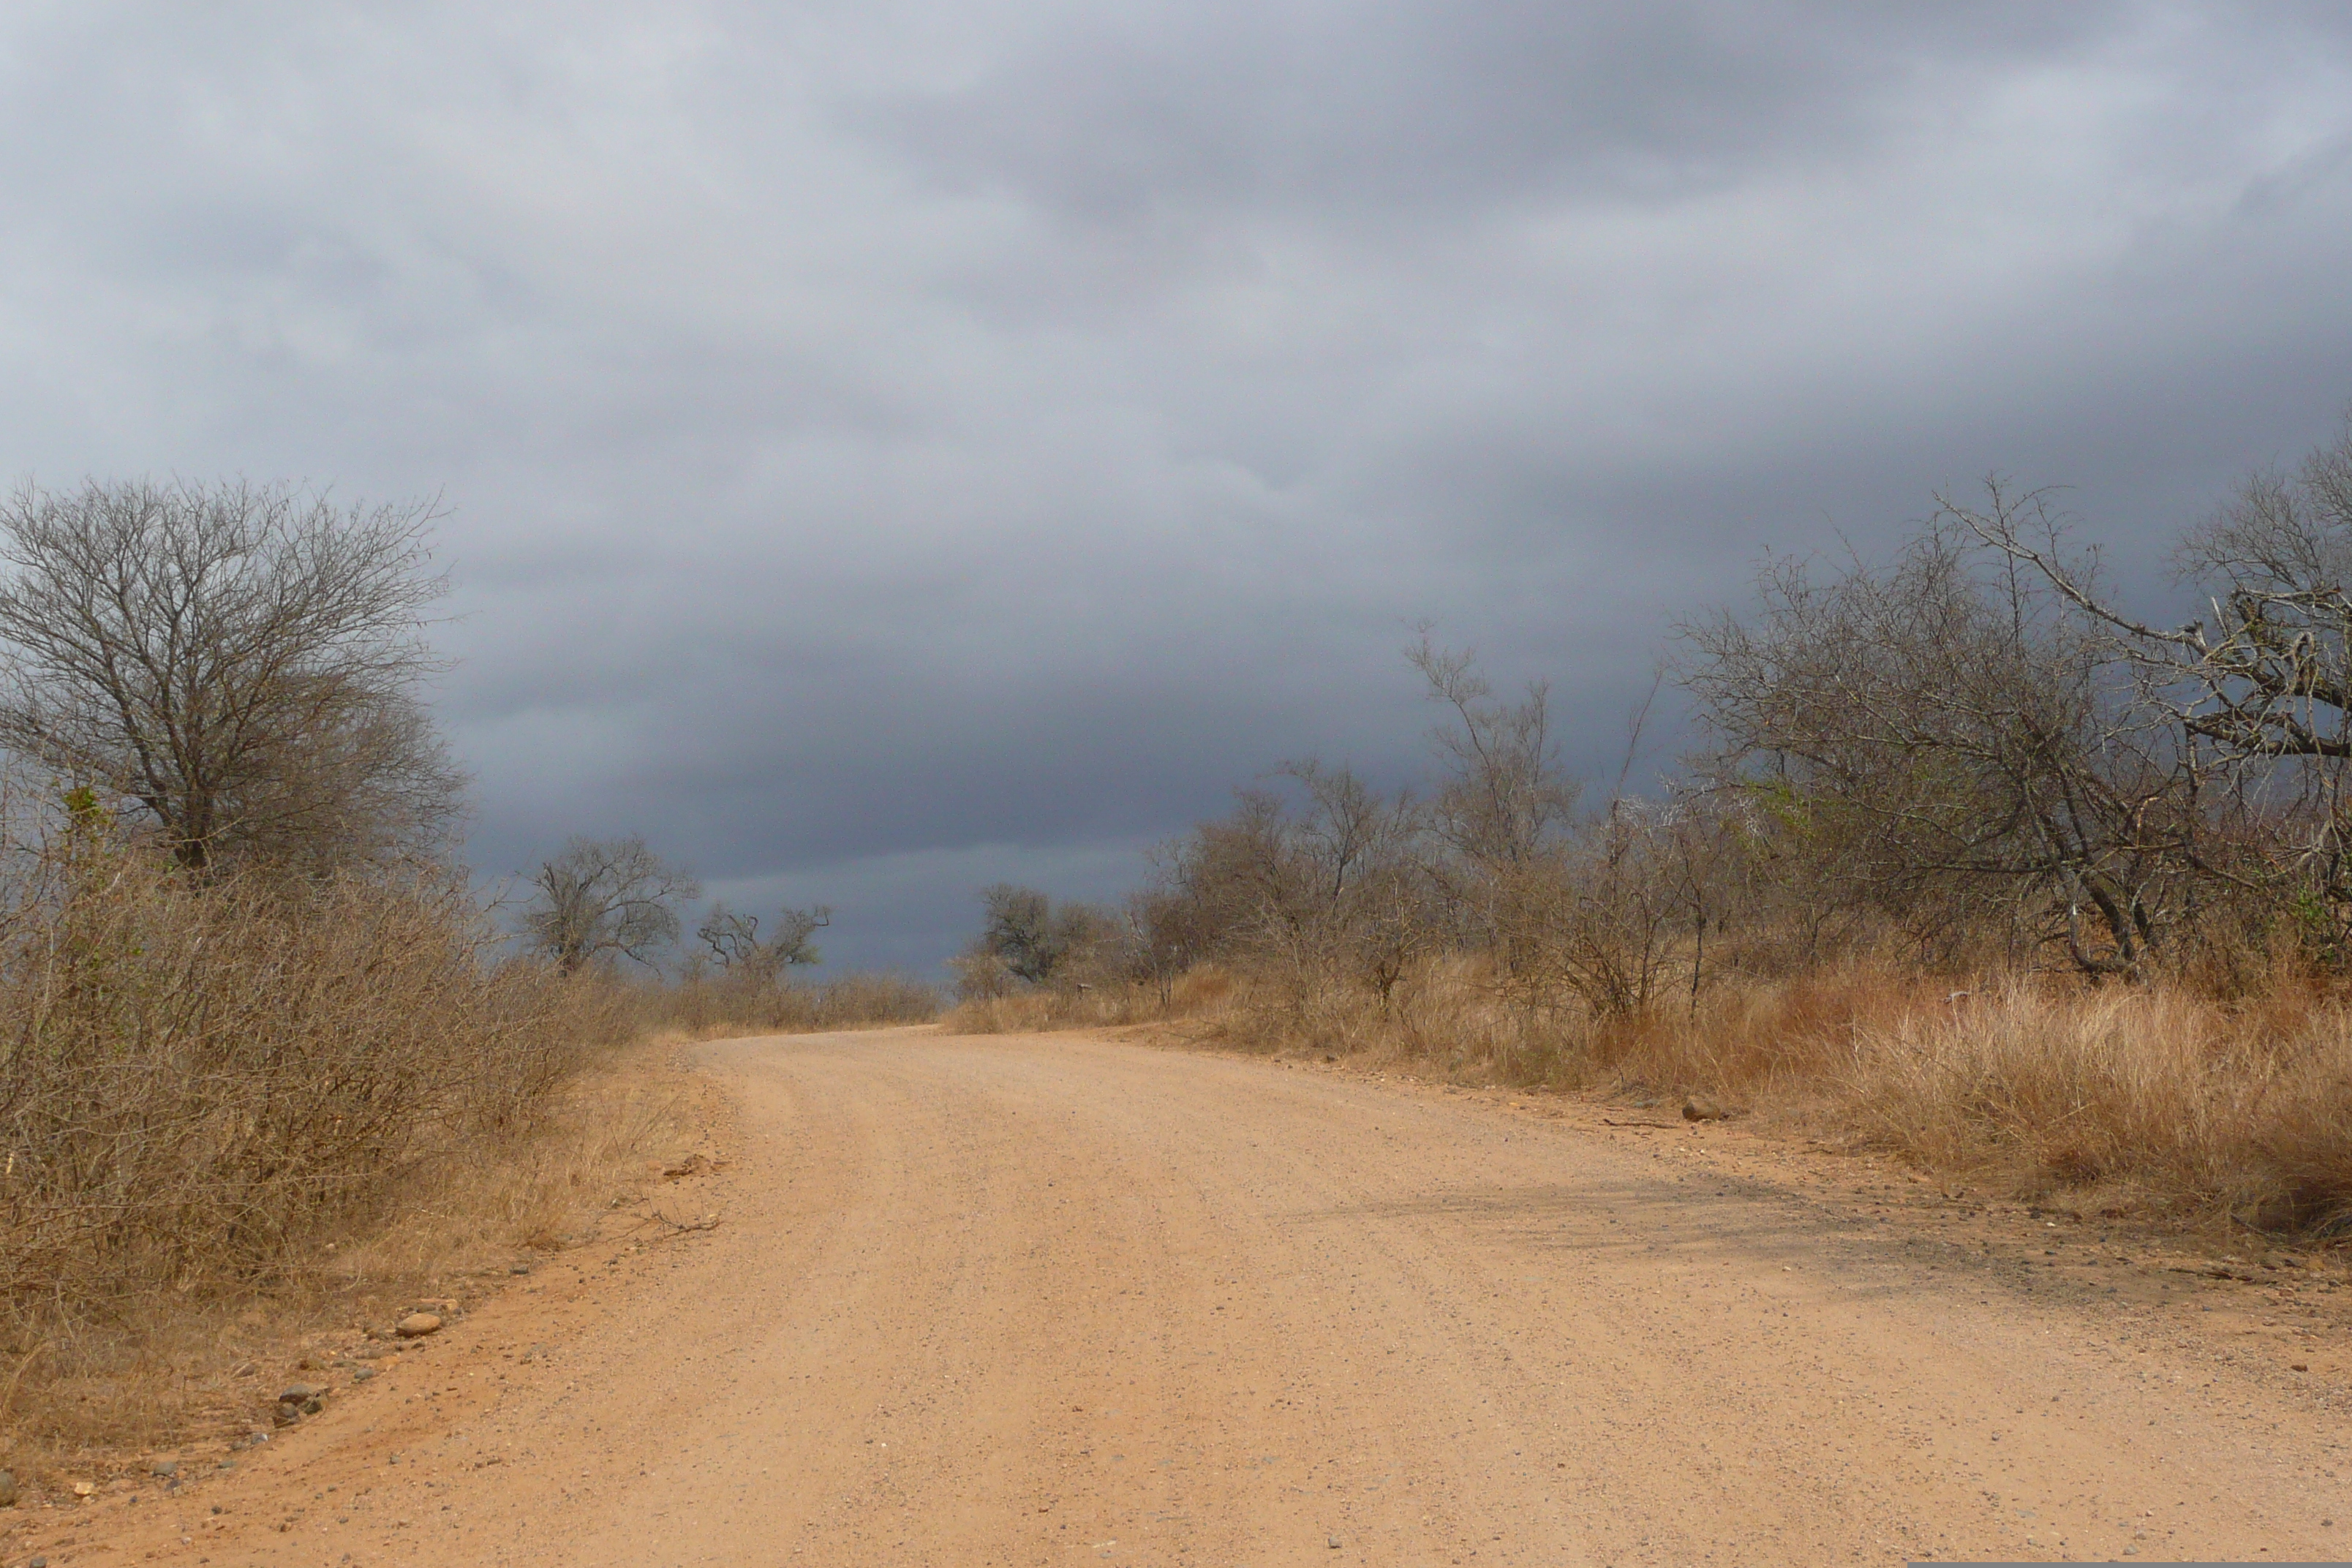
[(892, 446)]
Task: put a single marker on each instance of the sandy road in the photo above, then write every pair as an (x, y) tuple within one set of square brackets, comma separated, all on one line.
[(1046, 1299)]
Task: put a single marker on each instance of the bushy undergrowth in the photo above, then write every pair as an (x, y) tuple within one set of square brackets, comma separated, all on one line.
[(205, 1082)]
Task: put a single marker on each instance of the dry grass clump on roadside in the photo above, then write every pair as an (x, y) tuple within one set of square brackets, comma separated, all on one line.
[(97, 1392), (210, 1086), (2154, 1099), (2139, 1097)]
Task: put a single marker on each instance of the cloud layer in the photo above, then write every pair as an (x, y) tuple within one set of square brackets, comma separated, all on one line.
[(891, 446)]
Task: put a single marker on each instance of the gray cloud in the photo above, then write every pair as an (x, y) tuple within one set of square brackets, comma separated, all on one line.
[(893, 446), (1304, 107)]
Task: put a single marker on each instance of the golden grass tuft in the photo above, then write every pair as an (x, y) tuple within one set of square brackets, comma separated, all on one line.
[(1195, 992)]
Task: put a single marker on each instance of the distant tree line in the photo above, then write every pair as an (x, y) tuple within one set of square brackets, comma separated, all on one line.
[(598, 902)]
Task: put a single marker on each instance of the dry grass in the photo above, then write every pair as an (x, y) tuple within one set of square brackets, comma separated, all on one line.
[(167, 1369), (719, 1004), (94, 1394), (2131, 1100), (199, 1083), (2154, 1100), (1202, 991)]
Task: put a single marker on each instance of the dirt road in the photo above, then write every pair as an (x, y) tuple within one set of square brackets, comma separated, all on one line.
[(1048, 1300)]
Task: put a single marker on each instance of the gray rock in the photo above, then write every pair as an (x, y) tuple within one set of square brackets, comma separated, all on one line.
[(165, 1467), (362, 1374), (297, 1394)]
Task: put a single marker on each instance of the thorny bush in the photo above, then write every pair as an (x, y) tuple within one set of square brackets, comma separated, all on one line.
[(199, 1079)]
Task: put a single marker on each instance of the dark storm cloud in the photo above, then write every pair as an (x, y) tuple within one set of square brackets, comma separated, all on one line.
[(893, 446), (1307, 107)]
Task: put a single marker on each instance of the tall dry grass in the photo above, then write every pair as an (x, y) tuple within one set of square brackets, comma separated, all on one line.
[(2138, 1098), (2161, 1101), (160, 1368)]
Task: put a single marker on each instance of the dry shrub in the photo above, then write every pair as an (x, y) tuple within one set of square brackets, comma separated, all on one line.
[(204, 1083), (162, 1367), (705, 1005), (1763, 1038), (1445, 1014)]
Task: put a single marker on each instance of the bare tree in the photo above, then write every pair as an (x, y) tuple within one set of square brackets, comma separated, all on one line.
[(734, 940), (1503, 798), (1970, 732), (1360, 896), (2261, 683), (240, 663), (606, 899), (2269, 669)]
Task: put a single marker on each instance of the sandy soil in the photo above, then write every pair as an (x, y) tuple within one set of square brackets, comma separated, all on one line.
[(1046, 1300)]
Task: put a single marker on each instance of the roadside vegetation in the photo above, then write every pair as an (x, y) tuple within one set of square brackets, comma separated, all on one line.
[(261, 1047), (268, 1057), (1969, 863)]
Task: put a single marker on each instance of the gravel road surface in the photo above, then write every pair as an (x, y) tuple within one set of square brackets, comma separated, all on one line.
[(1052, 1299)]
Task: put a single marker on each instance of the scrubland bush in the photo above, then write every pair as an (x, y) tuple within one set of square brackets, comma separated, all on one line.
[(228, 1096), (261, 1049)]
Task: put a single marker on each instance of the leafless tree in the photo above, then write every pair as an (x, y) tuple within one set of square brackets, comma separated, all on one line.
[(2261, 683), (600, 900), (238, 663), (1317, 881), (1970, 729), (1504, 797), (1362, 898), (734, 940)]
